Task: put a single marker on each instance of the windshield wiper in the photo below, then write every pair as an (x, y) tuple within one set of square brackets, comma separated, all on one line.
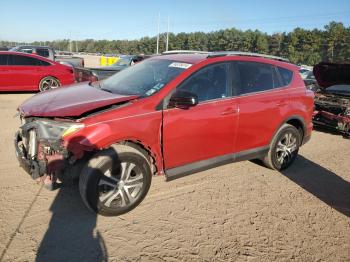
[(107, 90)]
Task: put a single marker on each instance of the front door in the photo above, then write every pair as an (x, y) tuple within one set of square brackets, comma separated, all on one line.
[(205, 131)]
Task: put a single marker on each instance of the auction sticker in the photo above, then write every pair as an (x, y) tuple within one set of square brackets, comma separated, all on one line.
[(180, 65)]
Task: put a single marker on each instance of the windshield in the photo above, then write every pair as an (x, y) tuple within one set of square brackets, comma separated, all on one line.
[(143, 79)]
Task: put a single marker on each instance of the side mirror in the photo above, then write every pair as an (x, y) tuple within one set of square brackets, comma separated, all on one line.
[(183, 99)]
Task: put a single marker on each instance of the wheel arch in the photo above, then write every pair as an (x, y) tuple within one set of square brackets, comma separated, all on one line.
[(146, 151), (297, 121)]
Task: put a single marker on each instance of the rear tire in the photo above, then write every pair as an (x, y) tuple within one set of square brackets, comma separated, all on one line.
[(284, 148), (115, 180), (48, 83)]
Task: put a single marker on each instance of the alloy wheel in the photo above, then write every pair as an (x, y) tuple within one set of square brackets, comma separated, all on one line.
[(286, 148), (48, 84), (121, 190)]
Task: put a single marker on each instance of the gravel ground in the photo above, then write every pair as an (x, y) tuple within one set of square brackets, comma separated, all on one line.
[(237, 212)]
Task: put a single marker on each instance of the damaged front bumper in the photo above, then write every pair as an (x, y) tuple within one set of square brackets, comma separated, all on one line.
[(38, 154), (328, 119), (29, 165)]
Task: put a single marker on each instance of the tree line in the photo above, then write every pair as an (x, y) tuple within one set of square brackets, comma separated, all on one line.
[(300, 46)]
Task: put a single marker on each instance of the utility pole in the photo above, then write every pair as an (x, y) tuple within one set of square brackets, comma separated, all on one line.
[(158, 34), (70, 42), (167, 36)]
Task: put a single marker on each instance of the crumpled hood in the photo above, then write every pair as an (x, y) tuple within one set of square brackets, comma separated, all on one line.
[(70, 101), (329, 74)]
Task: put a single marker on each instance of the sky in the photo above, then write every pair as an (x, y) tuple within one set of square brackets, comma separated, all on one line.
[(41, 20)]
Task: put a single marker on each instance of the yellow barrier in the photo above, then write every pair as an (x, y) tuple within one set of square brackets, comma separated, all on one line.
[(103, 61), (108, 61)]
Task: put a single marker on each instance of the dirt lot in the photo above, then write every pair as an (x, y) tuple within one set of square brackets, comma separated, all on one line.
[(238, 212)]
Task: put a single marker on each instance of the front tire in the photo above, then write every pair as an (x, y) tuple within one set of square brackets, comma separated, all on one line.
[(115, 180), (284, 148)]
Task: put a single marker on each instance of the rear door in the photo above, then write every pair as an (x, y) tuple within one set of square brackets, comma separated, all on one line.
[(204, 131), (26, 72), (5, 74), (261, 103)]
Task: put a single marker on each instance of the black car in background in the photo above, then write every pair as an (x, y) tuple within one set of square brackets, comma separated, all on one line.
[(100, 73)]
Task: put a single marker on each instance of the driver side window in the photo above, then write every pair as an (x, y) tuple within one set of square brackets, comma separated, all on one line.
[(208, 83)]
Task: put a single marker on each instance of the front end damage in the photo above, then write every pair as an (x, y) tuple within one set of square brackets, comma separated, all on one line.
[(40, 148), (332, 111)]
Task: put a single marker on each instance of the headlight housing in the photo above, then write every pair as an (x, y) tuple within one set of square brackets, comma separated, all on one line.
[(48, 129)]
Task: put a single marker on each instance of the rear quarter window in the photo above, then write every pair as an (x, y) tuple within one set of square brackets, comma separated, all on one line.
[(286, 75), (44, 63)]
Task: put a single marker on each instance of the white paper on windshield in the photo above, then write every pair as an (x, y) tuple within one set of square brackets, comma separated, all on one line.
[(180, 65)]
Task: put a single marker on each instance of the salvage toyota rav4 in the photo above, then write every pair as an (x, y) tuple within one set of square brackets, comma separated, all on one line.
[(173, 114)]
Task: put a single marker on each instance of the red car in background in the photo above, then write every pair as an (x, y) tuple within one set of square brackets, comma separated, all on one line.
[(26, 72)]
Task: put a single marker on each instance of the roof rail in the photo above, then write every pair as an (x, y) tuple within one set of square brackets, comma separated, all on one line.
[(237, 53), (185, 52)]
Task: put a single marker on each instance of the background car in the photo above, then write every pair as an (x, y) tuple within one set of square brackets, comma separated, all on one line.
[(26, 72), (100, 73), (65, 58)]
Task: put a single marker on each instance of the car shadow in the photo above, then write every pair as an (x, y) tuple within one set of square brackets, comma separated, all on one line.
[(328, 130), (322, 183), (71, 234)]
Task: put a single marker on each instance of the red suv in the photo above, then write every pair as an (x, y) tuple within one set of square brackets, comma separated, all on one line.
[(173, 114)]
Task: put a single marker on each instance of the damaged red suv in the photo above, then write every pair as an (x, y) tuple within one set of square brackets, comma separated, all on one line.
[(174, 114)]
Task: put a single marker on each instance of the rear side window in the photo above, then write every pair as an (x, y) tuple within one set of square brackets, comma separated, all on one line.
[(43, 52), (286, 75), (256, 77), (18, 60), (3, 59)]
